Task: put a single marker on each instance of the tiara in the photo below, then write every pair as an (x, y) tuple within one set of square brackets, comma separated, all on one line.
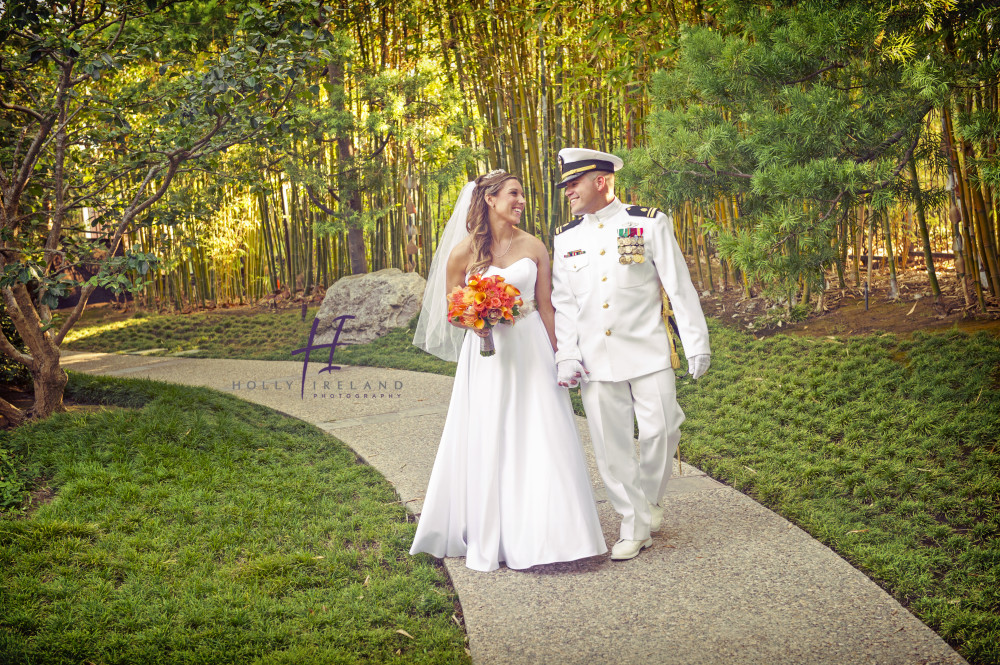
[(494, 172)]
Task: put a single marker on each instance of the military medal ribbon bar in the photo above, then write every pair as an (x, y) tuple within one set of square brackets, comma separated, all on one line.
[(631, 246)]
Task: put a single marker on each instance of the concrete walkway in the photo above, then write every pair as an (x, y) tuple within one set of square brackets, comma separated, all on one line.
[(726, 581)]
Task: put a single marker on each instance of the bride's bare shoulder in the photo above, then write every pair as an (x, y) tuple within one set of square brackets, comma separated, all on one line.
[(463, 248), (461, 255), (536, 248)]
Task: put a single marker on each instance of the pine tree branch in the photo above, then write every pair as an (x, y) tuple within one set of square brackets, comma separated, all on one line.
[(836, 65), (318, 203), (895, 138), (731, 174), (907, 156), (699, 174), (833, 206)]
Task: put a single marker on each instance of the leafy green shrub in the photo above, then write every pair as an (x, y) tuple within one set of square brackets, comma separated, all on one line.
[(777, 316), (15, 479), (800, 312)]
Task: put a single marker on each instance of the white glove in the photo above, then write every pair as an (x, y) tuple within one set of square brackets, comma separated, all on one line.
[(698, 365), (568, 371)]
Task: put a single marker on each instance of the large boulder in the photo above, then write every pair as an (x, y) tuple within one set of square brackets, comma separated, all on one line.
[(378, 301)]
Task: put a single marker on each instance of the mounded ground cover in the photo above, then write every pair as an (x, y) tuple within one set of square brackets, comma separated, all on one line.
[(881, 445), (185, 526)]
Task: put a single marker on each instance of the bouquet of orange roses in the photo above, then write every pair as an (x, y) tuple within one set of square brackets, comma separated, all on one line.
[(483, 303)]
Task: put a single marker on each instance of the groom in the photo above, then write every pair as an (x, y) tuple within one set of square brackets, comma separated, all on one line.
[(608, 266)]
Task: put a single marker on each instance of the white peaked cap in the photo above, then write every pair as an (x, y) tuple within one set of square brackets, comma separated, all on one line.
[(574, 162)]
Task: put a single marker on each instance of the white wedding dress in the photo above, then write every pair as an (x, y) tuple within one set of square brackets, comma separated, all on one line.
[(509, 482)]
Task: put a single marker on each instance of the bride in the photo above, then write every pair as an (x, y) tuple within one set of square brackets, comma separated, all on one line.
[(509, 482)]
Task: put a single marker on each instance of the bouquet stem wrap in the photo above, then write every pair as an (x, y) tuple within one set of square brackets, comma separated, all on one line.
[(486, 347)]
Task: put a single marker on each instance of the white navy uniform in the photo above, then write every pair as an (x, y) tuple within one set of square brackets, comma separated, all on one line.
[(608, 316)]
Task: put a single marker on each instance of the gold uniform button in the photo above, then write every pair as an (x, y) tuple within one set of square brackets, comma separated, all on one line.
[(602, 252), (608, 333), (600, 226), (605, 305), (604, 279)]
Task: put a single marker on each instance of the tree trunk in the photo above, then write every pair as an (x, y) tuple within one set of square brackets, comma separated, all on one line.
[(42, 359), (49, 380), (821, 298), (356, 251), (350, 194)]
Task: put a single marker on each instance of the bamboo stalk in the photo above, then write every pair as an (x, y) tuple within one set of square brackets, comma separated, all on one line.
[(890, 257), (924, 236), (971, 262)]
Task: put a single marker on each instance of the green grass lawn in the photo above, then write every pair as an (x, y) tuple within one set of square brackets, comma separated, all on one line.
[(193, 527), (885, 449), (242, 334)]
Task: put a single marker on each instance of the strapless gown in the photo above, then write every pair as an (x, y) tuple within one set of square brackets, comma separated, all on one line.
[(510, 483)]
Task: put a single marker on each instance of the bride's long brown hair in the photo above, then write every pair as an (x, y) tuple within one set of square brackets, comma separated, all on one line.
[(478, 220)]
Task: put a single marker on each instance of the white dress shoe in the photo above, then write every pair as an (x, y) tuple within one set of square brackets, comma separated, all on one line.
[(655, 517), (629, 549)]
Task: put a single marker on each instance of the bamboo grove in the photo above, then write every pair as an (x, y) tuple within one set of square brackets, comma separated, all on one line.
[(419, 95), (475, 87)]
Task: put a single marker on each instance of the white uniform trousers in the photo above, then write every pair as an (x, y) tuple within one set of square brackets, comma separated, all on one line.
[(633, 484)]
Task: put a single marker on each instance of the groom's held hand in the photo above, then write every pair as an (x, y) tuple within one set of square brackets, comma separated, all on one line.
[(568, 371), (698, 365)]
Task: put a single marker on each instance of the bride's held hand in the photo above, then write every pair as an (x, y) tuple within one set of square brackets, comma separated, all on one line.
[(481, 332)]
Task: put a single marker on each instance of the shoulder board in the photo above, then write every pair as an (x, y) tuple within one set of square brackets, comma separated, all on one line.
[(642, 211), (568, 225)]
